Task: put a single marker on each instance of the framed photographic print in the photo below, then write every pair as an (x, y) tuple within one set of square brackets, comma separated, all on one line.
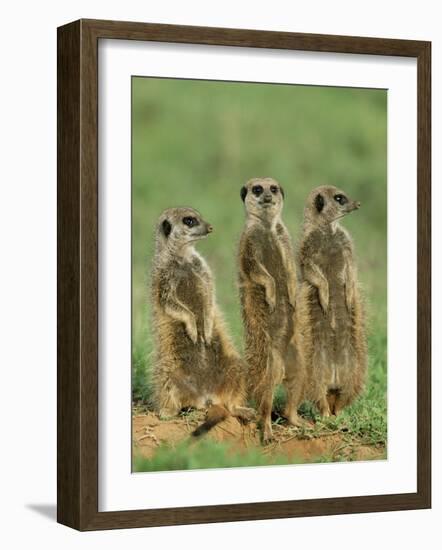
[(243, 274)]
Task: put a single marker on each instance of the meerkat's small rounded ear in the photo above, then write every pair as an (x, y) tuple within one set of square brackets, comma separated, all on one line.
[(319, 202), (282, 192), (166, 227), (243, 193)]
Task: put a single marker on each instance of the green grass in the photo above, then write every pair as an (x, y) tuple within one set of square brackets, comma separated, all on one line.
[(195, 143), (202, 454)]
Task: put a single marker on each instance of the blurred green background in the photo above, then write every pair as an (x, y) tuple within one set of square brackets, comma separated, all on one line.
[(194, 143)]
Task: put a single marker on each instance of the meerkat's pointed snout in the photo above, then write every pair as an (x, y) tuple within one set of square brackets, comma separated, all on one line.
[(209, 228)]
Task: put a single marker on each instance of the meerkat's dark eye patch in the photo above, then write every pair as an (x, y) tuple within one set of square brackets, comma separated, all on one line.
[(167, 228), (274, 189), (190, 221), (257, 190), (342, 199), (319, 202), (243, 193)]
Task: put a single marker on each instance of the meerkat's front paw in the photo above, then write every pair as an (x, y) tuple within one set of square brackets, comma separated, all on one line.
[(292, 297), (192, 331), (271, 301), (349, 298), (270, 294), (323, 300), (208, 331)]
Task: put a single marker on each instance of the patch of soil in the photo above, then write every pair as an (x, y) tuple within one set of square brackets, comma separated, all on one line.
[(149, 432)]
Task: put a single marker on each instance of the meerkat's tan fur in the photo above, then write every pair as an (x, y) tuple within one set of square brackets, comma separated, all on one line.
[(330, 321), (196, 364), (267, 282)]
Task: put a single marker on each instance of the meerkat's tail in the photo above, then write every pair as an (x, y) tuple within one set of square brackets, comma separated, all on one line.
[(215, 414)]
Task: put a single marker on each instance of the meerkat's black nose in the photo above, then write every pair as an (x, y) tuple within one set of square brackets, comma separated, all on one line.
[(358, 204), (267, 198), (209, 229)]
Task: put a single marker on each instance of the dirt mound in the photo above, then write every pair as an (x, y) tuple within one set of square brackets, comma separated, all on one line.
[(149, 432)]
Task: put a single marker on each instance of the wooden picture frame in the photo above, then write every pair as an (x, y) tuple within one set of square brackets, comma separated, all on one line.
[(77, 459)]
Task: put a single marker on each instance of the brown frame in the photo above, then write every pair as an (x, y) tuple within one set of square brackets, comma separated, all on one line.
[(77, 224)]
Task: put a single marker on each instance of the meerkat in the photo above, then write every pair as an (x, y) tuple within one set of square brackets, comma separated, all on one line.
[(267, 284), (330, 321), (196, 364)]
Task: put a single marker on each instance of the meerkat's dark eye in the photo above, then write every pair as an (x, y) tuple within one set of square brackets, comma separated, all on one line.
[(190, 221), (342, 199), (257, 190), (273, 189)]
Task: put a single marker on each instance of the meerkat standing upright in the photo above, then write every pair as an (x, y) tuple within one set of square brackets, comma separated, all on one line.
[(196, 364), (267, 282), (330, 321)]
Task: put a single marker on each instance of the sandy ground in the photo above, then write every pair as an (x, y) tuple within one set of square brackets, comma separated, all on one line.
[(149, 432)]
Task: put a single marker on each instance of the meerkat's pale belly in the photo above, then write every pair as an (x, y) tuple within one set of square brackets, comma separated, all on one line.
[(332, 335)]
